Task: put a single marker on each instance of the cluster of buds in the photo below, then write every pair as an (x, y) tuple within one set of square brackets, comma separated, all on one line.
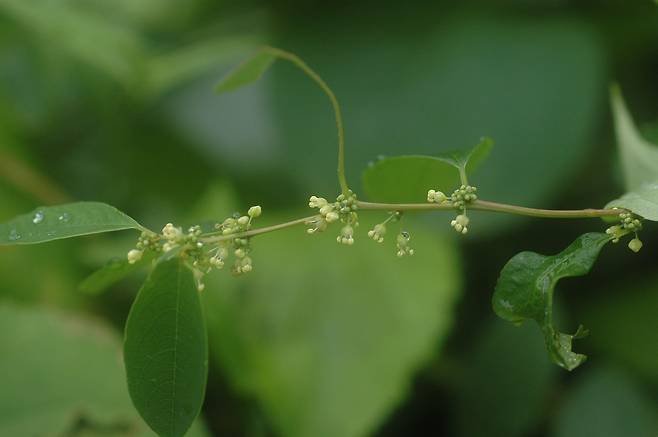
[(462, 196), (460, 223), (147, 241), (629, 223), (403, 244), (240, 246), (434, 196), (343, 209), (238, 223)]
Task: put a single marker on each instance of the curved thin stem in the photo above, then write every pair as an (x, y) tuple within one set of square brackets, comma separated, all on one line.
[(299, 63)]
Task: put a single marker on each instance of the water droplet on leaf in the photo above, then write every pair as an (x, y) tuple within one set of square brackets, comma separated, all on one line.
[(38, 217), (14, 235), (64, 217)]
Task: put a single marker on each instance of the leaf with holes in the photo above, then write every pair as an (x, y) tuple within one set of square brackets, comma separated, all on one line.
[(64, 221), (166, 350), (526, 285)]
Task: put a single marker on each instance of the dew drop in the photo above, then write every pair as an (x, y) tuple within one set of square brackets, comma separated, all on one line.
[(38, 217), (64, 218), (371, 164), (14, 235)]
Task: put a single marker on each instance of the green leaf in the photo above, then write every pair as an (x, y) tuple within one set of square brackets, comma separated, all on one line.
[(606, 403), (643, 201), (526, 285), (326, 338), (407, 178), (639, 158), (171, 68), (246, 73), (64, 221), (89, 37), (166, 350), (44, 390), (62, 374), (112, 272), (464, 160)]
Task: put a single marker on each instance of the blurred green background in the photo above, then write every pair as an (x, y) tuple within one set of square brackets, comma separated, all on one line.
[(112, 101)]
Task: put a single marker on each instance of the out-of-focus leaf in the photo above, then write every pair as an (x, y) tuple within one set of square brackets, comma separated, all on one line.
[(170, 69), (639, 158), (526, 285), (505, 383), (623, 316), (643, 201), (115, 50), (246, 73), (112, 272), (407, 178), (166, 350), (50, 223), (58, 371), (606, 403), (327, 337)]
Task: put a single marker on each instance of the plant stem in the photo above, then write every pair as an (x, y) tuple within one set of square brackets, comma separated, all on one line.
[(263, 230), (480, 205), (342, 180), (483, 205)]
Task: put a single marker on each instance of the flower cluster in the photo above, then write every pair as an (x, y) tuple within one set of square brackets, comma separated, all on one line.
[(147, 241), (403, 244), (203, 252), (629, 223), (459, 199), (460, 223), (434, 196), (377, 233), (343, 210), (463, 195), (239, 246)]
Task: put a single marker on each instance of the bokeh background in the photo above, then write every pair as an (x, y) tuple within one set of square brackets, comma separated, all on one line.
[(113, 101)]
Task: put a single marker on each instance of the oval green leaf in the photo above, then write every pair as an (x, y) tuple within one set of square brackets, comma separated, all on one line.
[(166, 350), (246, 73), (643, 201), (526, 285), (64, 221), (639, 158), (407, 178)]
